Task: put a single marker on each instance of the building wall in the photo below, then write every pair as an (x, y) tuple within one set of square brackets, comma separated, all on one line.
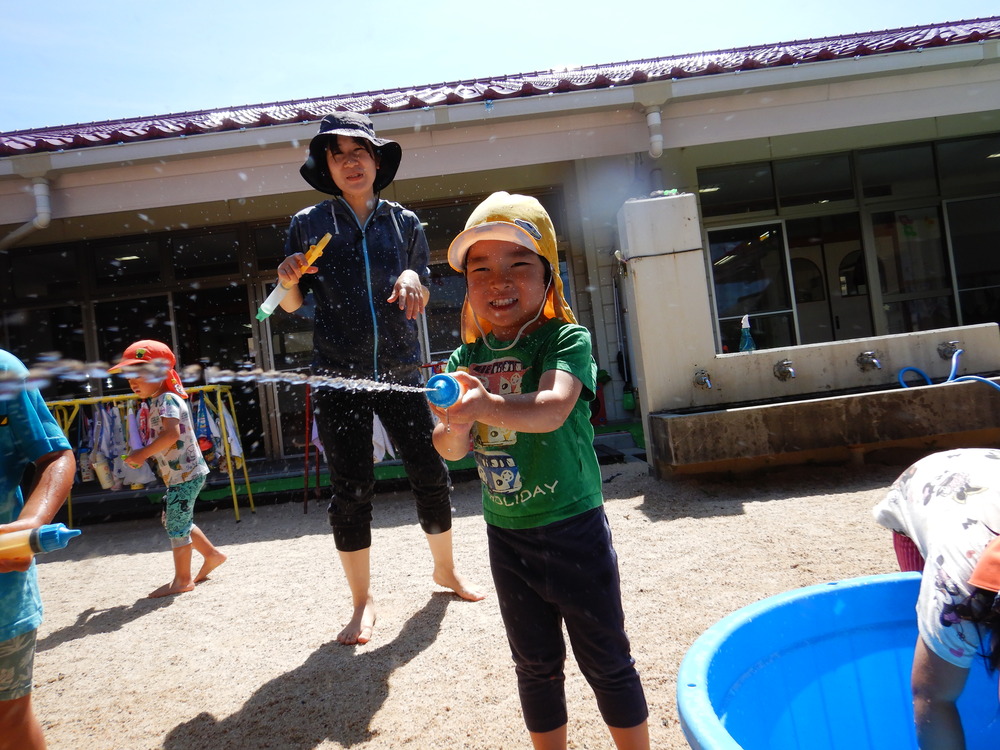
[(592, 146)]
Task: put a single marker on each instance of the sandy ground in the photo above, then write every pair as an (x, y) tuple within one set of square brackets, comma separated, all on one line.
[(249, 660)]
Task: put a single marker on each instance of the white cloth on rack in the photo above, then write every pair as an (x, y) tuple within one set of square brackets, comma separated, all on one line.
[(143, 474), (381, 443), (233, 438)]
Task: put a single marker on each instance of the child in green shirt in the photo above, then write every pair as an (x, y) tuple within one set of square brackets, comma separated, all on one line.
[(528, 373)]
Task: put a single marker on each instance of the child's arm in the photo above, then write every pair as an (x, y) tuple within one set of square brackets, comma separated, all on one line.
[(168, 437), (51, 486), (543, 410)]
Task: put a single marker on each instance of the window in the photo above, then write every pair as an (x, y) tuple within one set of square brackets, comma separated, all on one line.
[(736, 190), (820, 179), (975, 239), (269, 246), (750, 278), (915, 278), (970, 166), (898, 172), (200, 255), (808, 281), (129, 263), (213, 329), (49, 331), (60, 277), (444, 311)]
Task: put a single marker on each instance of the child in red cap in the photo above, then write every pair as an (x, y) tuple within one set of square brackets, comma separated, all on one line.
[(174, 446)]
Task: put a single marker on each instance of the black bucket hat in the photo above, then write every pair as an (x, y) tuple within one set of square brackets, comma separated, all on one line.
[(353, 125)]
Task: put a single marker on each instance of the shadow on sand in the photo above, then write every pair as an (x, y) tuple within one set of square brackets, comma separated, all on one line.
[(93, 621), (333, 695)]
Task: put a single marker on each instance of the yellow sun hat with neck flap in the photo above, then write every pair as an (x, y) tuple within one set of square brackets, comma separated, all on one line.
[(520, 219)]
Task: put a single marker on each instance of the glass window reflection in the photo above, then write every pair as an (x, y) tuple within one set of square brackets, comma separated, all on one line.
[(135, 262), (200, 255), (898, 172), (819, 179), (737, 189), (61, 276)]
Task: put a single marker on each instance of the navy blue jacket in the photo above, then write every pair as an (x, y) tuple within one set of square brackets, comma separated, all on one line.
[(357, 333)]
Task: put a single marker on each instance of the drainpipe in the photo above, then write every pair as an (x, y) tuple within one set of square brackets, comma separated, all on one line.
[(653, 122), (43, 214)]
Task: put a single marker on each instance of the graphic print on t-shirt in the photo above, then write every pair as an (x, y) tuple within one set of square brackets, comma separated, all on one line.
[(501, 376), (497, 470)]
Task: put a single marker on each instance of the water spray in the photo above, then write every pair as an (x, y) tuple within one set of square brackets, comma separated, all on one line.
[(52, 367)]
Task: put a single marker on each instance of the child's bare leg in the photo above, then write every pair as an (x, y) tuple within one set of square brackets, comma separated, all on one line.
[(633, 738), (19, 727), (444, 567), (552, 740), (213, 557), (357, 568), (182, 574)]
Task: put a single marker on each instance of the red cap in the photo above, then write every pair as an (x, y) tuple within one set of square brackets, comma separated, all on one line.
[(986, 574), (148, 351)]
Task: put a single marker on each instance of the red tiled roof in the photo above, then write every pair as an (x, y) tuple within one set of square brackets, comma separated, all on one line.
[(505, 87)]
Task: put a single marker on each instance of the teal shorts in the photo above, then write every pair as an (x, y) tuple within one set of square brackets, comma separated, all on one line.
[(17, 659), (178, 510)]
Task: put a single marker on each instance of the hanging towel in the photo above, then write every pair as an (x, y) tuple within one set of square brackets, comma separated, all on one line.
[(119, 444), (216, 434), (83, 450), (314, 438), (233, 438), (144, 422), (381, 444), (101, 448), (143, 475), (203, 431)]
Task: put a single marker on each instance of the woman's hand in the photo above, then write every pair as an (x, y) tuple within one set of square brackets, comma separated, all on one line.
[(409, 294), (292, 268)]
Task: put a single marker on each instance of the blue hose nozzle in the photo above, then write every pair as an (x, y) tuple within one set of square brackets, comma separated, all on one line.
[(444, 390)]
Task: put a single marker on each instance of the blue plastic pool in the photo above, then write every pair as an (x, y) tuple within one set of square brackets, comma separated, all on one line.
[(820, 668)]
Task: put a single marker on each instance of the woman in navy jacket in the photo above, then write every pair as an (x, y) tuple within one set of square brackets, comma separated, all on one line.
[(369, 287)]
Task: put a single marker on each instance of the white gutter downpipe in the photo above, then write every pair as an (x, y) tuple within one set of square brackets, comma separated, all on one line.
[(43, 214), (654, 122)]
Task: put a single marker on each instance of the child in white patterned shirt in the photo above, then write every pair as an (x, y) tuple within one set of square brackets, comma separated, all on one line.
[(182, 467)]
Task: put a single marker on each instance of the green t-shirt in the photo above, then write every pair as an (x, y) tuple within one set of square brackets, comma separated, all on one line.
[(534, 479)]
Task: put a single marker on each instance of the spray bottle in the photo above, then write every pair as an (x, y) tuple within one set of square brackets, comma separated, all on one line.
[(444, 390), (746, 340), (279, 292), (28, 542)]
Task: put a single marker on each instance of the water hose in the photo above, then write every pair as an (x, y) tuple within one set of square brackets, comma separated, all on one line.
[(951, 375)]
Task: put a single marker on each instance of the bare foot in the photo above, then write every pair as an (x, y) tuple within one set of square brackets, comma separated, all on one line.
[(213, 561), (359, 629), (451, 580), (169, 589)]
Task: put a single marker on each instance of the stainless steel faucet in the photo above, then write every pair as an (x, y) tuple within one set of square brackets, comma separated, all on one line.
[(868, 361), (701, 379), (783, 370), (947, 348)]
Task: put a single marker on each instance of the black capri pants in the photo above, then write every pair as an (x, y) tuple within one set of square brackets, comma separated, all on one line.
[(565, 571), (344, 423)]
